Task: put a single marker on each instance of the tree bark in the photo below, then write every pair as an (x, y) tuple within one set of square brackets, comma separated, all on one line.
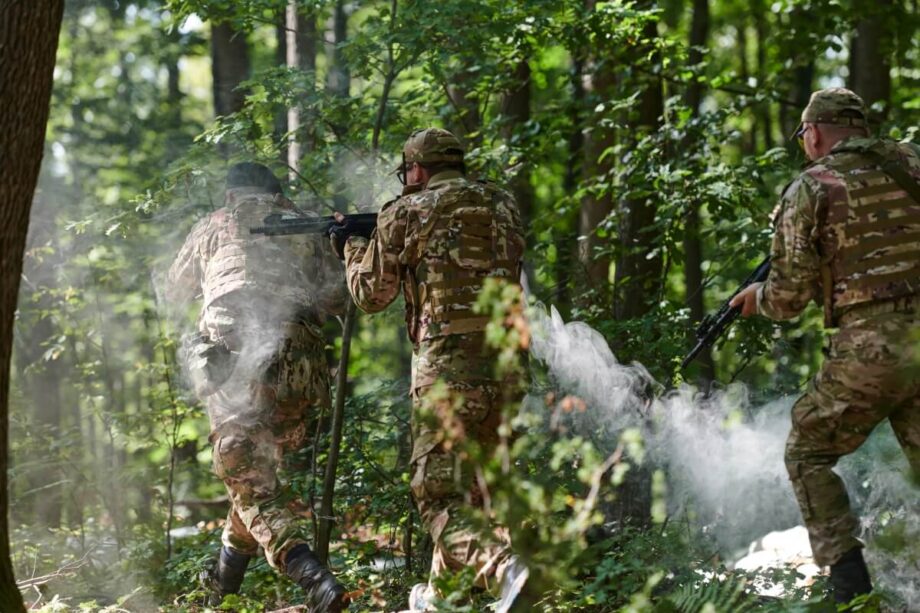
[(467, 121), (870, 56), (693, 244), (28, 43), (230, 66), (765, 116), (638, 276), (567, 240), (515, 110), (595, 208), (338, 77), (300, 53)]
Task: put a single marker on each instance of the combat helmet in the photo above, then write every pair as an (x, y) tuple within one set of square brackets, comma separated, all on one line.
[(430, 146)]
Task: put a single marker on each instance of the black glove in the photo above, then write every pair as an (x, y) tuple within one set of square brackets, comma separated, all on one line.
[(338, 236)]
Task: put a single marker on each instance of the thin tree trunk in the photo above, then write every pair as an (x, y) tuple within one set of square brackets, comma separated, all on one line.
[(638, 276), (760, 27), (467, 120), (567, 239), (693, 244), (28, 43), (749, 145), (281, 115), (230, 66), (341, 384), (335, 439), (516, 112), (595, 208), (870, 55), (338, 78), (300, 53)]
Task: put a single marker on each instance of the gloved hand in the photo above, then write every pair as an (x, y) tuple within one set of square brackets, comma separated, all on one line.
[(339, 233)]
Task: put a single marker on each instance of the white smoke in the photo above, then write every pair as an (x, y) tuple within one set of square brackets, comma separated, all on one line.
[(724, 456)]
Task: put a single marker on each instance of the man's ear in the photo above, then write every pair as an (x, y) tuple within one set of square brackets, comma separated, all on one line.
[(818, 137)]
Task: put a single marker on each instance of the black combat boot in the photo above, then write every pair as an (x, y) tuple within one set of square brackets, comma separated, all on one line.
[(226, 576), (323, 592), (850, 577)]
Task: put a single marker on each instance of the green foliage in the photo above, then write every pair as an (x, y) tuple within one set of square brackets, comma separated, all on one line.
[(109, 447)]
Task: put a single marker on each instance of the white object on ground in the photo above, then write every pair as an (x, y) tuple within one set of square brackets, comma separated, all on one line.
[(781, 549)]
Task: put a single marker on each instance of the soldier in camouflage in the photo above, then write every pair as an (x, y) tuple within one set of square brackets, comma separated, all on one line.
[(438, 243), (848, 236), (258, 363)]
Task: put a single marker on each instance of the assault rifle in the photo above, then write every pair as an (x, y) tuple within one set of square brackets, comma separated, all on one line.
[(715, 324), (278, 224)]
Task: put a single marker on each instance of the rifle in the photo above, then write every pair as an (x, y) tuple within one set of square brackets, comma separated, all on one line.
[(715, 324), (279, 224)]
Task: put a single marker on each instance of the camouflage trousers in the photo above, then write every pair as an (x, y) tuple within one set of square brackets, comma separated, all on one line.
[(451, 424), (865, 379), (260, 423)]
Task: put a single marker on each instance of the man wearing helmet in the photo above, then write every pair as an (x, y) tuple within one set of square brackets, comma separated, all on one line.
[(259, 367), (438, 243), (848, 236)]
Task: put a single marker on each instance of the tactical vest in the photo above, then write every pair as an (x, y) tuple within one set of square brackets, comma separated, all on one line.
[(471, 233), (235, 261), (871, 236)]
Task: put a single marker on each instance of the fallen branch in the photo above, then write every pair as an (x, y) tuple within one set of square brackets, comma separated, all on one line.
[(67, 570)]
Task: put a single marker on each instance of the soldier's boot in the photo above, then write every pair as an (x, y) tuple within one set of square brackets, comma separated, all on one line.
[(323, 592), (226, 576), (850, 577)]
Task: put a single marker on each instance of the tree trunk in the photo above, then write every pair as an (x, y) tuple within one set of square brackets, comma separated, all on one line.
[(567, 240), (300, 53), (28, 43), (638, 276), (338, 78), (230, 66), (595, 208), (467, 120), (870, 56), (749, 145), (516, 112), (760, 26), (693, 244)]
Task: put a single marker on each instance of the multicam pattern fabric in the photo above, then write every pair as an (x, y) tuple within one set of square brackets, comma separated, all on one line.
[(868, 376), (220, 261), (438, 246), (846, 226), (264, 299), (451, 424), (267, 436), (845, 212)]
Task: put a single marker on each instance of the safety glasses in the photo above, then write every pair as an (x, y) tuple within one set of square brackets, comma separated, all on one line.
[(800, 135)]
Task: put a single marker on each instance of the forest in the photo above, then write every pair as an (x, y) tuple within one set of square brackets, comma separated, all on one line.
[(647, 144)]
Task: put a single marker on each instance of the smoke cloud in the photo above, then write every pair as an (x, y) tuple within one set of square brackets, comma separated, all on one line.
[(724, 455)]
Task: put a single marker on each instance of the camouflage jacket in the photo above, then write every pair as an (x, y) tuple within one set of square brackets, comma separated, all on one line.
[(845, 233), (238, 275), (438, 245)]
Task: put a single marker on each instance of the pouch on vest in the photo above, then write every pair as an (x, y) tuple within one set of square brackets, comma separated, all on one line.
[(209, 363), (471, 238)]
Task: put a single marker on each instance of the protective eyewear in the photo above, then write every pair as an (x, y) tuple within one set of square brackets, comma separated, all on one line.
[(402, 171), (800, 136)]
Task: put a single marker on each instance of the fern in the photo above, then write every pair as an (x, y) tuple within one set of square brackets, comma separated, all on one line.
[(716, 596)]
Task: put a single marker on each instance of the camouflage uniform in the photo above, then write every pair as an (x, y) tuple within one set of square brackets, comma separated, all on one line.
[(848, 236), (438, 245), (264, 300)]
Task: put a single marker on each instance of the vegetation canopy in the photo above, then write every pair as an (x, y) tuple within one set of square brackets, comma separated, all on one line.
[(647, 144)]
